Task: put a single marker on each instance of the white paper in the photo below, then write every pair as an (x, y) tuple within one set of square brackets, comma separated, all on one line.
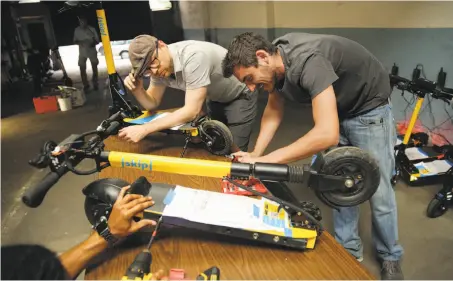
[(414, 153), (226, 210), (160, 115), (438, 166), (433, 168)]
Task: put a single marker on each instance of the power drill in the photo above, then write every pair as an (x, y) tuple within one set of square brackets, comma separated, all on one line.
[(210, 274), (140, 269)]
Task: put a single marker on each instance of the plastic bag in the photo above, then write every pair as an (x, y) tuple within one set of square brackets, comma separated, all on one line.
[(441, 137), (401, 127)]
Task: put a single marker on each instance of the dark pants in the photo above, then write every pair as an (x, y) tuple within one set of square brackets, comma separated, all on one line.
[(83, 70), (238, 115)]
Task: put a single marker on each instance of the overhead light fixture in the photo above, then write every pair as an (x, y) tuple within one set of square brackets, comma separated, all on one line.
[(28, 1), (159, 5)]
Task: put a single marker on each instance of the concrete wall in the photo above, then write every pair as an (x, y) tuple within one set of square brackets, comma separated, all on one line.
[(405, 33)]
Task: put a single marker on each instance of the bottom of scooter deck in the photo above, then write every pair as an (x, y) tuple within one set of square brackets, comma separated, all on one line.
[(148, 117), (229, 215)]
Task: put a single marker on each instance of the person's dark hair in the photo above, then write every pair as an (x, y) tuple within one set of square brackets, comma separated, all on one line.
[(242, 51), (31, 262)]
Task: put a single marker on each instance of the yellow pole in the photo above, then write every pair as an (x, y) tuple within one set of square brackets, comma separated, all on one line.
[(102, 21), (167, 164), (414, 117)]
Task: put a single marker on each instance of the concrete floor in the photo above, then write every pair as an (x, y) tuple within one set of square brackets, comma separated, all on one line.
[(59, 223)]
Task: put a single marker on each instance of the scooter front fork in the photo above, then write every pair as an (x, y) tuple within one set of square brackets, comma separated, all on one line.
[(444, 195)]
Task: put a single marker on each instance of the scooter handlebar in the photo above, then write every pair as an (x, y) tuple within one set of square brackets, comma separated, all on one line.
[(270, 172), (34, 196)]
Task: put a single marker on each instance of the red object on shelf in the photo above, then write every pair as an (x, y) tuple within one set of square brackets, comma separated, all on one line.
[(176, 274), (45, 104), (230, 188)]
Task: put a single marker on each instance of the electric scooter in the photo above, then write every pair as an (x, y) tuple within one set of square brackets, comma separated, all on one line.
[(342, 177), (412, 169), (215, 135)]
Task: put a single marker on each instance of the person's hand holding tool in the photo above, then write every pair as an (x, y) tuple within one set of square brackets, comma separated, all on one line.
[(159, 275), (133, 84), (121, 224), (127, 207)]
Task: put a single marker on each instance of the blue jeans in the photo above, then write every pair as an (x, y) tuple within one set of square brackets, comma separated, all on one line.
[(374, 132)]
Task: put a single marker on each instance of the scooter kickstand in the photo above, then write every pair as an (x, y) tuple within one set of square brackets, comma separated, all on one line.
[(185, 147)]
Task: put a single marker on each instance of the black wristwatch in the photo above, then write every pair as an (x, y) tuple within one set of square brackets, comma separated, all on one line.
[(103, 230)]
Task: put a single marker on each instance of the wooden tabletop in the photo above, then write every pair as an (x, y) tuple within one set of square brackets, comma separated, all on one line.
[(195, 252)]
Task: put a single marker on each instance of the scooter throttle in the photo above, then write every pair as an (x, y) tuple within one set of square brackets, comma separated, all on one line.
[(34, 196), (112, 128)]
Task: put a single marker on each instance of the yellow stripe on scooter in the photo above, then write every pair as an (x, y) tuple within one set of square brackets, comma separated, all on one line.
[(104, 31), (414, 117), (168, 164), (144, 115)]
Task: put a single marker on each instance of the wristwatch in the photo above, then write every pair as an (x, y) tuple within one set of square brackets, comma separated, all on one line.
[(103, 230)]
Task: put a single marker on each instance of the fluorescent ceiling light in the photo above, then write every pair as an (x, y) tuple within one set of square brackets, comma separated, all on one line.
[(159, 5), (28, 1)]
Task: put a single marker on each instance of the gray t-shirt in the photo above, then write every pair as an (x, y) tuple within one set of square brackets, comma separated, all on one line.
[(198, 64), (315, 61)]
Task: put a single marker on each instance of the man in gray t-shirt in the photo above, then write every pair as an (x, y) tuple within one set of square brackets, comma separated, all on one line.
[(194, 67), (349, 91)]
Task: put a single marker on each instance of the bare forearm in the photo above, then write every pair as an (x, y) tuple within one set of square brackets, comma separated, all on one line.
[(270, 122), (145, 100), (77, 258), (313, 142)]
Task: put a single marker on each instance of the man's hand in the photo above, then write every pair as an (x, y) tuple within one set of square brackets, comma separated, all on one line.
[(121, 224), (132, 84), (246, 157), (134, 133), (121, 221), (159, 275)]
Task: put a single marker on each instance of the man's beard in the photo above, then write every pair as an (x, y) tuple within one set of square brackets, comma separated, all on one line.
[(275, 83)]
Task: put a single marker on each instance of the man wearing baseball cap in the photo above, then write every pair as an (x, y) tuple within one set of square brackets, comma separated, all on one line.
[(196, 68)]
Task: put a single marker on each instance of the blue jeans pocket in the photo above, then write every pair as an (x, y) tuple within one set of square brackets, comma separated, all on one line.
[(375, 117)]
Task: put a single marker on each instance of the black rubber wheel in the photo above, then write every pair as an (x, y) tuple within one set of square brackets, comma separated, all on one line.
[(124, 55), (219, 132), (394, 180), (100, 196), (356, 163), (436, 208)]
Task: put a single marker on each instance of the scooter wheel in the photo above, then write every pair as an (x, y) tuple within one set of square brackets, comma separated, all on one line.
[(436, 208), (394, 179), (94, 209), (100, 197), (222, 138), (357, 164)]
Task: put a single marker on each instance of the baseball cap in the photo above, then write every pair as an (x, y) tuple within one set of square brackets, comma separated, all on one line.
[(140, 52)]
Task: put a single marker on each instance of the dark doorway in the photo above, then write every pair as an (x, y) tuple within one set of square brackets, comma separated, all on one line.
[(37, 34), (167, 25)]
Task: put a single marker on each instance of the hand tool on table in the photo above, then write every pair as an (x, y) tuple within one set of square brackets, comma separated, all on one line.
[(212, 273), (140, 269)]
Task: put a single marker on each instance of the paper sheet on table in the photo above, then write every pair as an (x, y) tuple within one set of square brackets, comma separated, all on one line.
[(414, 153), (433, 168), (226, 210), (160, 115)]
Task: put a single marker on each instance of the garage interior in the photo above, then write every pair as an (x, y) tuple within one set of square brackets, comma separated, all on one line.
[(408, 34)]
